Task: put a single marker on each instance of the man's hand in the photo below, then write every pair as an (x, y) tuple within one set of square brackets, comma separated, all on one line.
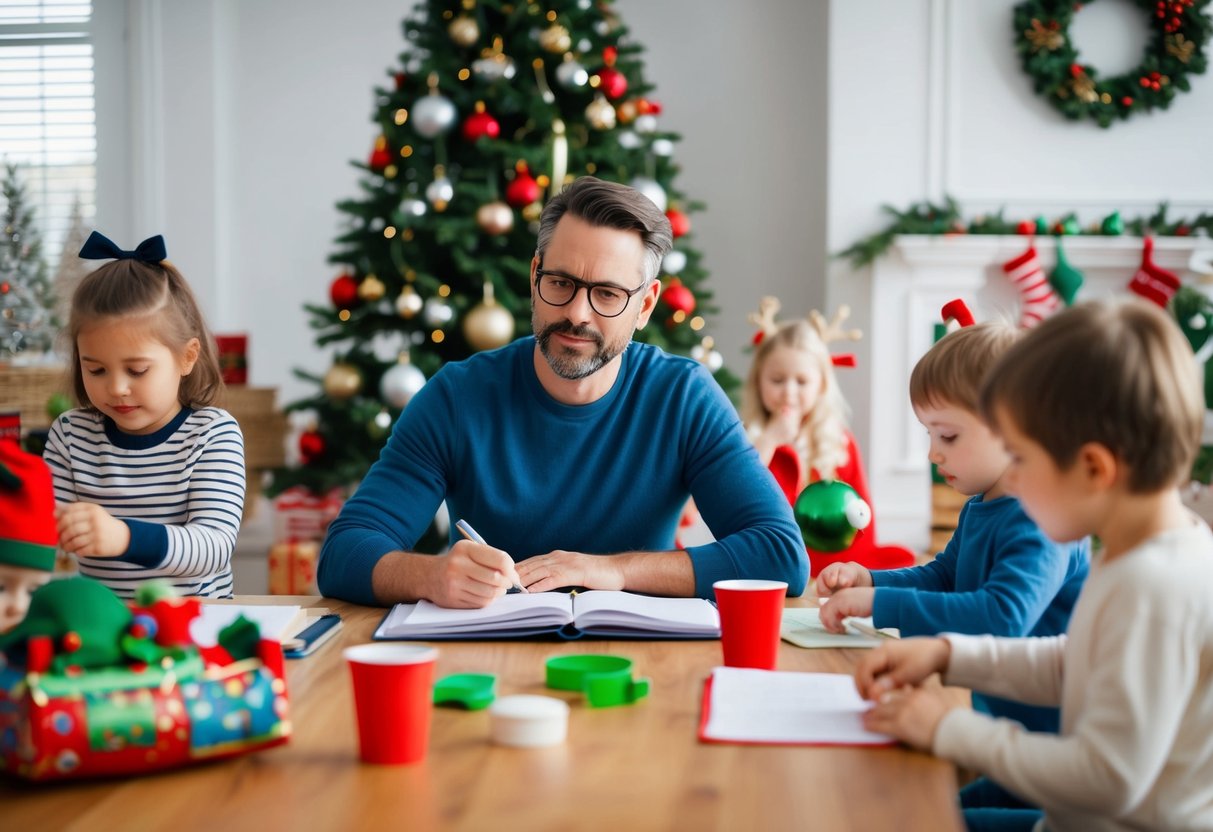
[(471, 575), (846, 603), (900, 663), (838, 576), (560, 569), (88, 529), (910, 714)]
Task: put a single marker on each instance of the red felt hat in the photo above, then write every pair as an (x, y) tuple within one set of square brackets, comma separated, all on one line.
[(27, 510)]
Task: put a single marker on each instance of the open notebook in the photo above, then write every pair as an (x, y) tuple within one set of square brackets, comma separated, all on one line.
[(802, 626), (568, 615)]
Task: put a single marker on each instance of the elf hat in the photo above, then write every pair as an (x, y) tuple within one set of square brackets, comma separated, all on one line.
[(27, 510)]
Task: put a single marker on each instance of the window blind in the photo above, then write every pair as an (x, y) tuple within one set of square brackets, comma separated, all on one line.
[(47, 113)]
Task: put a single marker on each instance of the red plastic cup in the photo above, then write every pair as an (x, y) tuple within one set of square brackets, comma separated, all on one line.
[(750, 614), (393, 686)]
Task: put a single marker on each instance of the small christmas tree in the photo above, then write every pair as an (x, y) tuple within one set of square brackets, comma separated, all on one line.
[(27, 319), (72, 268), (496, 107)]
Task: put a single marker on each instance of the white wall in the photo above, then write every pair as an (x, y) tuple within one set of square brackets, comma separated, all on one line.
[(926, 98), (247, 114)]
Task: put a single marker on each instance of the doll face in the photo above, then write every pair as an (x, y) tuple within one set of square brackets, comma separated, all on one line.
[(790, 379), (16, 585)]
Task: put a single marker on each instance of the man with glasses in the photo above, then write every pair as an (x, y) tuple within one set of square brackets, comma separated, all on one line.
[(571, 452)]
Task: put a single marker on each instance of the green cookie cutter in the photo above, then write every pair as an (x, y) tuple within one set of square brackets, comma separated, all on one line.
[(474, 691), (605, 680)]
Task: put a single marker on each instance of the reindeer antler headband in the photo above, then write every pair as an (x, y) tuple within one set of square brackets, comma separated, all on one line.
[(831, 330)]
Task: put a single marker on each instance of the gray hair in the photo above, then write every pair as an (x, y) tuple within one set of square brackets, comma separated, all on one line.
[(610, 205)]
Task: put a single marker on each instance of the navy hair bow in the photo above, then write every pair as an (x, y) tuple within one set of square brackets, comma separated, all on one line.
[(100, 247)]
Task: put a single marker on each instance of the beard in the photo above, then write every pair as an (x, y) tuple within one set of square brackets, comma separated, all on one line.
[(567, 363)]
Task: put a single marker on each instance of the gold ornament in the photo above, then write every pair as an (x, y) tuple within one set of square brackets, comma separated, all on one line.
[(556, 39), (409, 303), (495, 218), (532, 212), (1084, 89), (371, 288), (600, 114), (488, 325), (342, 381), (1043, 36), (463, 30)]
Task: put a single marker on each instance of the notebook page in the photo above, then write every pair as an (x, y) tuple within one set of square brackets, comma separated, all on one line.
[(802, 626), (613, 608), (776, 707), (507, 612), (276, 622)]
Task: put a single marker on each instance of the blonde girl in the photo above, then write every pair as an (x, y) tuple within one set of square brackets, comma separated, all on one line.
[(149, 474), (797, 419)]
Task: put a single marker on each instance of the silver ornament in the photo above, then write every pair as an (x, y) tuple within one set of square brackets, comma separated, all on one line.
[(662, 147), (651, 189), (674, 262), (629, 140), (494, 68), (646, 123), (714, 360), (495, 218), (463, 30), (433, 115), (571, 74), (556, 39), (409, 303), (437, 313), (440, 192), (412, 207), (400, 383)]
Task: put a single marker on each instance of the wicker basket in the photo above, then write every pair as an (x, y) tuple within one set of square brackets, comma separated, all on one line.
[(27, 389)]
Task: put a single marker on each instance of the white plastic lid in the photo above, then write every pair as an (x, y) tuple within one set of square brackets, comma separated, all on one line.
[(528, 721)]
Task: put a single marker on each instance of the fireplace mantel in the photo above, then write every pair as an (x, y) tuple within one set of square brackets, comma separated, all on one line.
[(910, 284)]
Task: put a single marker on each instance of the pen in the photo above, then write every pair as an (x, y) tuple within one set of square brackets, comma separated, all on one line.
[(465, 529), (867, 629)]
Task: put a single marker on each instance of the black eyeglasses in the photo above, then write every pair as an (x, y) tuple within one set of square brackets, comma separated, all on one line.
[(607, 299)]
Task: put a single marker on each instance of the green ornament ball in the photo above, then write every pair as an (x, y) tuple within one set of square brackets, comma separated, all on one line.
[(1042, 225), (57, 405), (1113, 225), (830, 513)]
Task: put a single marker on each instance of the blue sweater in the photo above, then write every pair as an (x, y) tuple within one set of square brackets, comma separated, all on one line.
[(533, 475), (999, 574)]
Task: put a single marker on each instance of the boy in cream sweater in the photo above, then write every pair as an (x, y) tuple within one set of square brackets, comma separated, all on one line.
[(1101, 409)]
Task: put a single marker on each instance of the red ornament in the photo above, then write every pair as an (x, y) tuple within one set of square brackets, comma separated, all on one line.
[(71, 641), (400, 79), (311, 446), (523, 189), (1182, 231), (612, 82), (344, 291), (679, 298), (381, 155), (680, 223), (480, 124), (1026, 228)]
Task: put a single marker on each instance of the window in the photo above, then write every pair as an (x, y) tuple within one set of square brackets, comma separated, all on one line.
[(47, 111)]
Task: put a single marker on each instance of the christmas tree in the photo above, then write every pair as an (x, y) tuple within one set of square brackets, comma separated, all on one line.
[(27, 319), (72, 268), (493, 108)]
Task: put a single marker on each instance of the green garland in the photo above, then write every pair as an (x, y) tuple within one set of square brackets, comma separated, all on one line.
[(926, 218), (1179, 33)]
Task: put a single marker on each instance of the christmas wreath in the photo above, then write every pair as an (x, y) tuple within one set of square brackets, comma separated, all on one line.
[(1179, 33)]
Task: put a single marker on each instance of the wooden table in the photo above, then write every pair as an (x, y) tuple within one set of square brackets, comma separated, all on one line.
[(628, 768)]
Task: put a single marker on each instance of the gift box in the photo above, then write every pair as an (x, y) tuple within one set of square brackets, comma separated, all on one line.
[(292, 568), (92, 688), (233, 358), (301, 515)]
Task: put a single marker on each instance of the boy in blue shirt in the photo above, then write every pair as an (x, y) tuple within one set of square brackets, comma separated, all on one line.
[(1000, 574)]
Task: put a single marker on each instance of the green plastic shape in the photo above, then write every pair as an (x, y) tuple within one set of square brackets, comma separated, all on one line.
[(473, 691), (605, 680)]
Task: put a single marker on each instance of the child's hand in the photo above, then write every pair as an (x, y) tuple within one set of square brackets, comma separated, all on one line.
[(838, 576), (88, 529), (846, 603), (910, 714), (784, 426), (899, 663)]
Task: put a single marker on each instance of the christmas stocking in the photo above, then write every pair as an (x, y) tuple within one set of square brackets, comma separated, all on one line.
[(1065, 279), (1037, 298), (1153, 282)]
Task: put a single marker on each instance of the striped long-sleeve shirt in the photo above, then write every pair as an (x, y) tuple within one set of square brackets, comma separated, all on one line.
[(180, 490)]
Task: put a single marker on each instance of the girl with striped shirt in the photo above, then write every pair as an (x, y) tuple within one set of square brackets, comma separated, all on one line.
[(148, 475)]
